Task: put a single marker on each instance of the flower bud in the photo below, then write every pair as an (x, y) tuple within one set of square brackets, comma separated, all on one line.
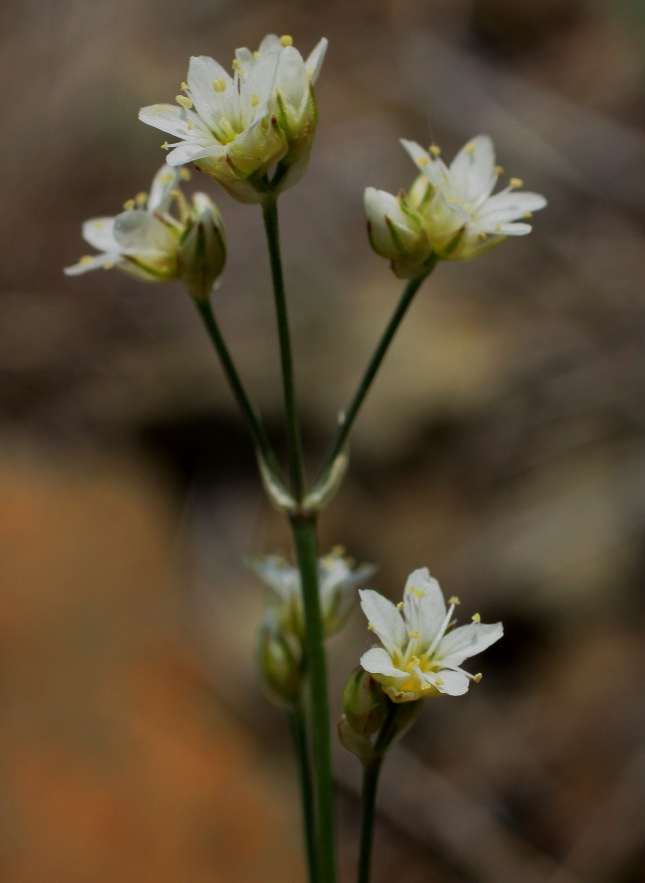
[(396, 231), (280, 675), (364, 703), (201, 253)]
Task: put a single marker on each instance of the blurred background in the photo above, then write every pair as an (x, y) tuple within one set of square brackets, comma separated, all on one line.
[(503, 446)]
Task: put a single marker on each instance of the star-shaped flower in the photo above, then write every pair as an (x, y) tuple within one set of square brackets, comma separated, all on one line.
[(421, 652)]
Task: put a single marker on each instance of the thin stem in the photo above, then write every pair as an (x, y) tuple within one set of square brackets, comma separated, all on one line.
[(305, 540), (299, 733), (294, 445), (371, 371), (371, 775), (254, 423)]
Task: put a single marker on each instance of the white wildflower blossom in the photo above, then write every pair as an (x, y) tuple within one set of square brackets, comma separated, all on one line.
[(148, 242), (396, 231), (463, 217), (338, 580), (421, 652)]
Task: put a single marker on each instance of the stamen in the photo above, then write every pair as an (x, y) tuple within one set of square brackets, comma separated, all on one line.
[(286, 40), (470, 148), (498, 170), (477, 618), (165, 146), (219, 85), (141, 198), (498, 228), (418, 592), (191, 124), (255, 100), (516, 183), (423, 161), (256, 54), (477, 678), (414, 634), (439, 681), (184, 101), (440, 633), (454, 600), (128, 205), (166, 178), (426, 686), (184, 87), (108, 266), (338, 551), (435, 150), (528, 215), (185, 175), (370, 627), (85, 260), (236, 66), (399, 606), (482, 236), (99, 225)]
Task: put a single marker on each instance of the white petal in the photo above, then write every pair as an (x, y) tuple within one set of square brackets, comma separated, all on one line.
[(423, 614), (291, 79), (187, 152), (386, 619), (277, 575), (202, 73), (163, 183), (96, 263), (377, 661), (245, 59), (99, 232), (271, 43), (509, 205), (434, 169), (471, 171), (468, 640), (314, 63), (261, 80), (138, 231), (171, 119), (455, 683)]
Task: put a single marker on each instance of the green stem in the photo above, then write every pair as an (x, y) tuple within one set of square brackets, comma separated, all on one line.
[(294, 445), (256, 428), (371, 773), (299, 733), (371, 371), (305, 540)]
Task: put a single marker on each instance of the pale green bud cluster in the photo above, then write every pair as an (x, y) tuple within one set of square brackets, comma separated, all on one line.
[(279, 663), (201, 251)]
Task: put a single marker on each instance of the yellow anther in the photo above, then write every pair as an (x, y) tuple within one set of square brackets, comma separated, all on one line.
[(108, 266), (418, 592), (498, 228), (184, 87), (338, 551), (255, 100), (165, 146), (426, 686), (435, 150), (166, 178), (498, 170), (256, 54), (219, 85), (414, 634), (176, 194), (141, 198), (184, 101), (528, 215), (99, 224), (439, 681), (286, 40), (477, 678), (237, 66), (85, 260), (128, 205), (454, 600), (415, 660), (481, 235), (470, 148), (477, 618), (423, 161), (184, 174), (516, 183), (399, 606), (370, 627), (191, 124)]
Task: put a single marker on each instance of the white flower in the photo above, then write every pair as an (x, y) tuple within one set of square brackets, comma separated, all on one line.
[(463, 218), (147, 242), (338, 579), (141, 241), (421, 655), (293, 100), (396, 231)]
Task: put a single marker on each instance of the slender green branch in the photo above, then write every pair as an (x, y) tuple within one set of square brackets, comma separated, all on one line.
[(371, 371), (254, 423), (294, 444), (305, 540), (299, 733)]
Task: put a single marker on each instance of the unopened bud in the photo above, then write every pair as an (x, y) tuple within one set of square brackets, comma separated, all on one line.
[(364, 703), (279, 669), (201, 253), (396, 232)]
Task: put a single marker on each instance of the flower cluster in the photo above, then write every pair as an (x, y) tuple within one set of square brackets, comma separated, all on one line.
[(235, 128), (148, 242), (450, 212)]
